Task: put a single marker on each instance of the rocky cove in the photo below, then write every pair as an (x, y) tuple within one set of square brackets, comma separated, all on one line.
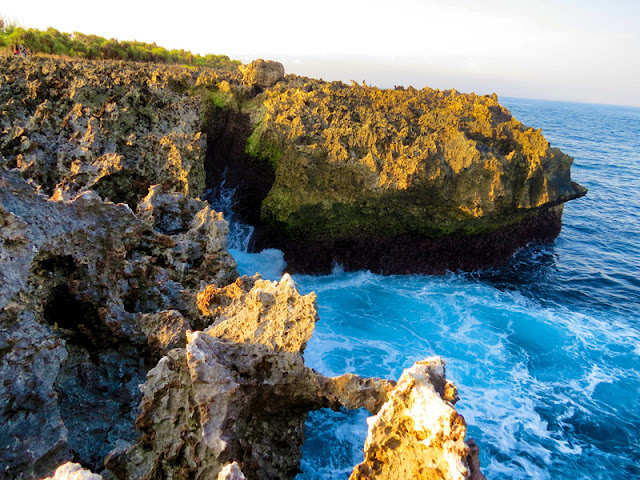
[(130, 346)]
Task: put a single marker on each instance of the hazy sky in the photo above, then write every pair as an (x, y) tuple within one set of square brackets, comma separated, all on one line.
[(580, 50)]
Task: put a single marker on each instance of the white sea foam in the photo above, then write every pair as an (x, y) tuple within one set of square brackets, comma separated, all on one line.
[(269, 263)]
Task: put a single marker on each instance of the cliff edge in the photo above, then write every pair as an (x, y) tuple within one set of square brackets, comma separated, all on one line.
[(398, 181)]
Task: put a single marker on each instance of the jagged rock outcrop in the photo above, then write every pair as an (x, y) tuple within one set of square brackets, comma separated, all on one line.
[(239, 390), (402, 180), (107, 126), (262, 73), (90, 294), (418, 434), (127, 342)]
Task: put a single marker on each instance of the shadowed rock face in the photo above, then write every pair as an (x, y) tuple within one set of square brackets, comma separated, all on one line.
[(90, 296)]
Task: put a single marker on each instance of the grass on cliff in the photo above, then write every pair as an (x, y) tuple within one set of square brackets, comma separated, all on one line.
[(93, 47)]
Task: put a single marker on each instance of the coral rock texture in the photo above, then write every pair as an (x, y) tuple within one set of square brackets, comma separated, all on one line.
[(85, 302), (127, 341), (262, 73), (107, 126), (417, 434), (239, 390), (361, 171)]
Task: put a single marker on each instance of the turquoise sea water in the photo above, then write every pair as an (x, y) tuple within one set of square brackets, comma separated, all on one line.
[(545, 351)]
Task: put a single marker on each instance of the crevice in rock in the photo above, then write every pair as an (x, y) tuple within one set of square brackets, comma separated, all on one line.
[(226, 160), (123, 187)]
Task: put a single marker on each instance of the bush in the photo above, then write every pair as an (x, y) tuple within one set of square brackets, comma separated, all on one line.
[(93, 47)]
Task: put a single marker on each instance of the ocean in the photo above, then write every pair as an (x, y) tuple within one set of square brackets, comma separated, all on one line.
[(545, 351)]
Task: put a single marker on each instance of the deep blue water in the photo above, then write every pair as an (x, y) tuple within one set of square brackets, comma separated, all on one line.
[(545, 351)]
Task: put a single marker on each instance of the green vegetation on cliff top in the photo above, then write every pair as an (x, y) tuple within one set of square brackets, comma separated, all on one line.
[(93, 47)]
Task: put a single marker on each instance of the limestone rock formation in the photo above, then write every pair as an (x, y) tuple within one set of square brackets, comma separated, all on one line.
[(262, 73), (239, 390), (107, 126), (127, 342), (89, 293), (417, 434), (402, 180)]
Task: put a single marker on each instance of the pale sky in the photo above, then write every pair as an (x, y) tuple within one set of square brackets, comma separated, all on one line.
[(573, 50)]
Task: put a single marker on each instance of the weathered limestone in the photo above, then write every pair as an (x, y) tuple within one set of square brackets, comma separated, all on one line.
[(401, 180), (108, 126), (127, 342), (262, 73), (84, 303), (239, 391), (417, 434)]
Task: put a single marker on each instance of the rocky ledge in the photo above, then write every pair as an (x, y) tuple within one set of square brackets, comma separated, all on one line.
[(129, 347)]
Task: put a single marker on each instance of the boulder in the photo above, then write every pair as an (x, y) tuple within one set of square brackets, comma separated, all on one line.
[(262, 73)]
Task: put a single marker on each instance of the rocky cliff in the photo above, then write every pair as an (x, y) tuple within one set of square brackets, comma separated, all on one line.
[(399, 180), (128, 344)]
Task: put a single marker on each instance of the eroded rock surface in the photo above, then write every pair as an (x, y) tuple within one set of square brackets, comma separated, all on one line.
[(239, 391), (402, 180), (90, 294), (418, 434), (262, 73), (127, 342), (112, 127)]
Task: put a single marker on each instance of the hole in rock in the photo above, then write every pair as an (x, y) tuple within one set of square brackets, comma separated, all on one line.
[(65, 311), (334, 443), (123, 187)]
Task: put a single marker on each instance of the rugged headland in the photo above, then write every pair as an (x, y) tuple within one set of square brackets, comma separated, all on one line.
[(129, 345), (394, 181)]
